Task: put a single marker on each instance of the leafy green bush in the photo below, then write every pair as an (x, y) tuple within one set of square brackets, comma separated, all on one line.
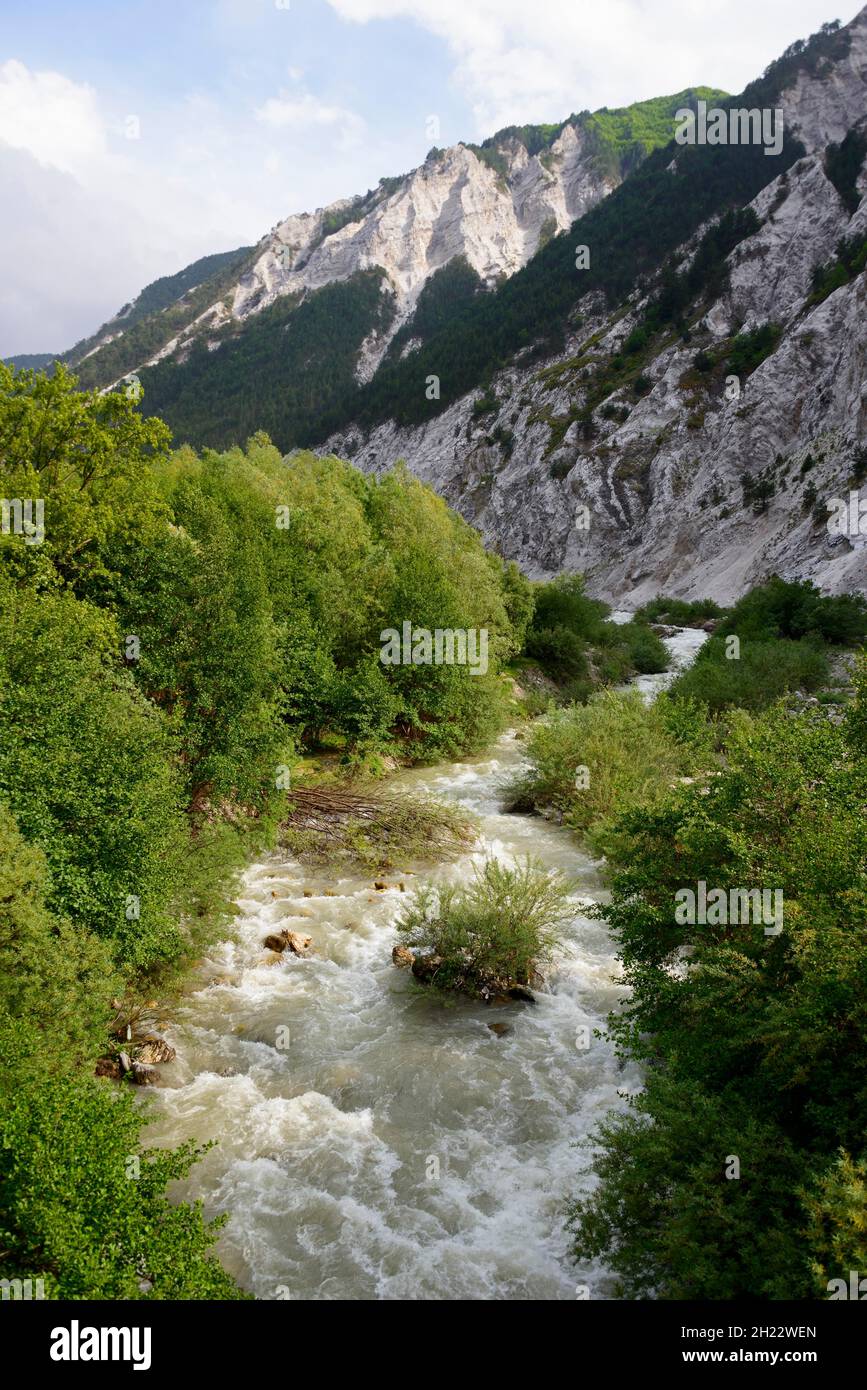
[(83, 1206), (756, 1049), (578, 647), (56, 978), (679, 612), (559, 651), (87, 766), (796, 609), (490, 934), (590, 761), (763, 672), (647, 652)]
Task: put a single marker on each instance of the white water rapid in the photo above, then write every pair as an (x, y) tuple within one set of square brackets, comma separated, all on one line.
[(374, 1144)]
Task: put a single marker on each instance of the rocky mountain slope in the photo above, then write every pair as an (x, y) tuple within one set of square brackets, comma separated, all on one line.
[(689, 436), (493, 205)]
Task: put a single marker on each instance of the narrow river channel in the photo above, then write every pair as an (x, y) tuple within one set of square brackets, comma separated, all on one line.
[(374, 1144)]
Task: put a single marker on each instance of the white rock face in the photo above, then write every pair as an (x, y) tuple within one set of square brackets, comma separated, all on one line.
[(820, 108), (663, 488), (454, 204)]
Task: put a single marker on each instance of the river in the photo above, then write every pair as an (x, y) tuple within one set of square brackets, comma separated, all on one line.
[(375, 1144)]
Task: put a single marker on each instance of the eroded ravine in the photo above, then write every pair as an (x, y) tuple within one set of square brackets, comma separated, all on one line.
[(377, 1144)]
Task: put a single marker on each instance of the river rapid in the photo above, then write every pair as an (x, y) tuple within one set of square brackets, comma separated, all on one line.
[(375, 1144)]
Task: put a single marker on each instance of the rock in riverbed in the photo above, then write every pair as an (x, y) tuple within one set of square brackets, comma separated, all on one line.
[(155, 1051), (425, 967), (296, 942)]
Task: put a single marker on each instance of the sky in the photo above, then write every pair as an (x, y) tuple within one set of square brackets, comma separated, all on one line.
[(138, 135)]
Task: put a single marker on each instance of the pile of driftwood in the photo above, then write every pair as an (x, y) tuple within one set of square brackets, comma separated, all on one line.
[(327, 810)]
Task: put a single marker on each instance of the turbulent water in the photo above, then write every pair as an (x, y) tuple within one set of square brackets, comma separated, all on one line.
[(374, 1144)]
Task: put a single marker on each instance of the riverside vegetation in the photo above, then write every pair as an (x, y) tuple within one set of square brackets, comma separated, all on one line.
[(190, 631), (753, 1045), (170, 651)]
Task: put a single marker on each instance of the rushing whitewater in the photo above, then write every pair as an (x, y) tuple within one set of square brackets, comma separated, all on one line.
[(375, 1143)]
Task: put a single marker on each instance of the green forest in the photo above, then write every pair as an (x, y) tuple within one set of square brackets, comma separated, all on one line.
[(193, 625), (188, 627)]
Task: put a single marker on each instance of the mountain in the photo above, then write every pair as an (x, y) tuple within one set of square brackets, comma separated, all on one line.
[(592, 425), (488, 206), (582, 418), (31, 361)]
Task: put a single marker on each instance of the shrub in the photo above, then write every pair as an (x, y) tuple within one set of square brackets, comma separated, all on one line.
[(796, 609), (725, 1037), (559, 651), (99, 789), (72, 1211), (647, 651), (679, 612), (764, 671), (491, 934), (749, 350), (630, 755)]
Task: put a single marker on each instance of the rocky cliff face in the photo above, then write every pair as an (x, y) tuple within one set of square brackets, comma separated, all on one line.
[(455, 204), (492, 204), (696, 485)]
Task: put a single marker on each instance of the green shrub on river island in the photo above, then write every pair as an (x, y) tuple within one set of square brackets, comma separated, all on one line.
[(488, 936), (591, 761)]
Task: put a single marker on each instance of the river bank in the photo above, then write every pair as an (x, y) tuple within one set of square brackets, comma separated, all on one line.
[(375, 1143)]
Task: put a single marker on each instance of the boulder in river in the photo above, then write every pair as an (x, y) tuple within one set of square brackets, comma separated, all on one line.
[(402, 956), (154, 1051), (295, 941), (523, 994)]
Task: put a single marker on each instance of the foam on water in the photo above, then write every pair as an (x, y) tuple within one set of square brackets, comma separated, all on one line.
[(387, 1146)]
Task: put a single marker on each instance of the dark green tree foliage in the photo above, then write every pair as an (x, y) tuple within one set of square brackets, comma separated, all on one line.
[(783, 629), (88, 768), (281, 371), (796, 609), (56, 979), (849, 262), (569, 628), (755, 1043), (449, 289), (181, 625), (843, 164), (82, 1207), (162, 311), (749, 350)]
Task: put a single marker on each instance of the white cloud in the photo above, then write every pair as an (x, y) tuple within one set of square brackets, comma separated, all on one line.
[(52, 118), (97, 215), (517, 61), (305, 112)]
